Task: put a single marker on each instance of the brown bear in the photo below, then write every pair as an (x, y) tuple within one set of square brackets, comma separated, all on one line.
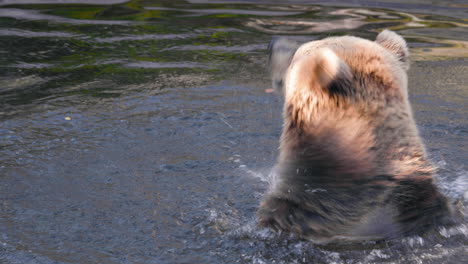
[(351, 165)]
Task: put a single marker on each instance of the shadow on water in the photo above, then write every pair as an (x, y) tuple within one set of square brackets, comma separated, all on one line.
[(140, 131)]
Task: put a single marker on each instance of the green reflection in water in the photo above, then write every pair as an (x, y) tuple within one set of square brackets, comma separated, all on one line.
[(131, 43)]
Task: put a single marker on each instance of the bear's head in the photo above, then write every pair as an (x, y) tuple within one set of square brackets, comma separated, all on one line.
[(338, 92), (339, 64)]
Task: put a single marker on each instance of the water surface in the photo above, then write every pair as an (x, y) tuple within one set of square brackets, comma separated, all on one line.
[(141, 132)]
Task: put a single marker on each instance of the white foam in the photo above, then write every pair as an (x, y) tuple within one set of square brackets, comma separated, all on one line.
[(461, 229)]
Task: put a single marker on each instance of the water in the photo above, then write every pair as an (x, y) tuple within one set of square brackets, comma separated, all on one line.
[(141, 132)]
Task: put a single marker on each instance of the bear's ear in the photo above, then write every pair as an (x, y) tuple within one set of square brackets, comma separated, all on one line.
[(333, 73), (330, 68), (396, 45), (319, 69)]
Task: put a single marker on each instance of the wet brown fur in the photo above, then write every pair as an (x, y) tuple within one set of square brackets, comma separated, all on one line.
[(351, 162)]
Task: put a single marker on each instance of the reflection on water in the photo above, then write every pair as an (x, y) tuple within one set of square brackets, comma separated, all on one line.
[(140, 132), (354, 18), (224, 11), (35, 15)]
